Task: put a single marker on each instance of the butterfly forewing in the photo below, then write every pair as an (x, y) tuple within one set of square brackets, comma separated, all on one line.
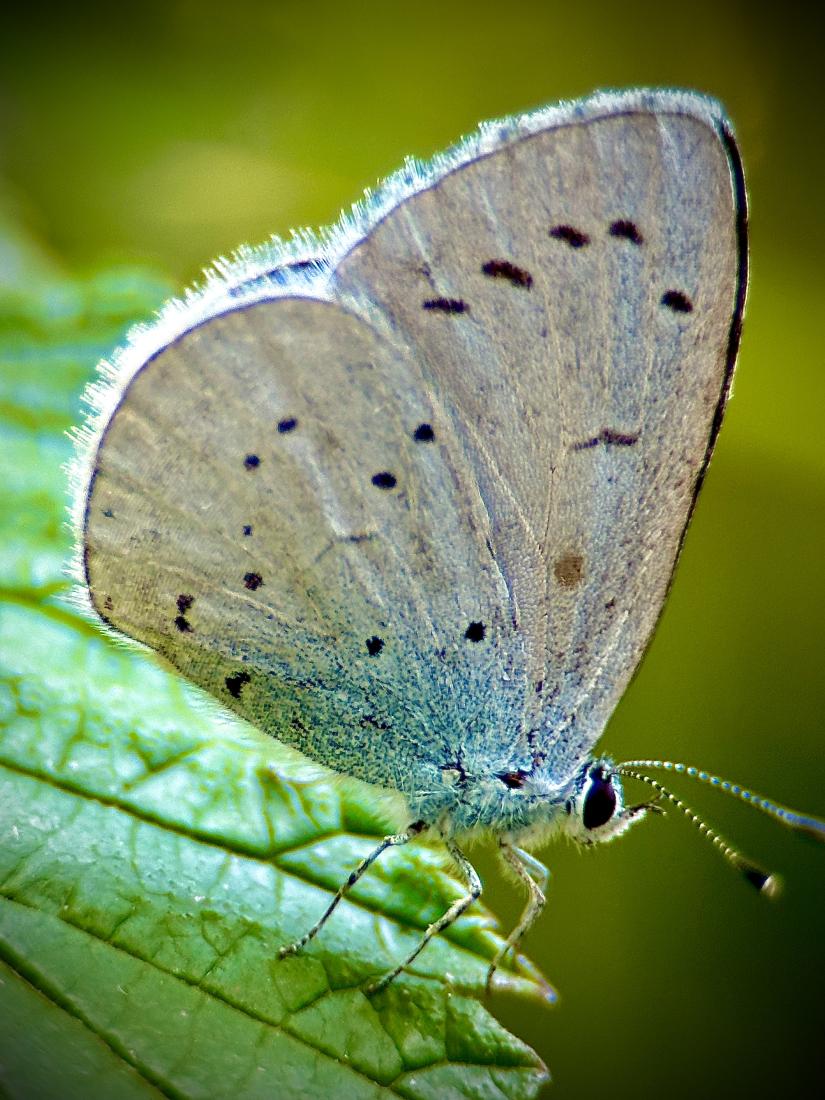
[(573, 299)]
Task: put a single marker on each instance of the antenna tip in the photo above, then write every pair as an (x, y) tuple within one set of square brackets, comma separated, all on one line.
[(766, 884)]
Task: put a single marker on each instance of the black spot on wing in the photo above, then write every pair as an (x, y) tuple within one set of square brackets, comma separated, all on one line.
[(288, 424), (677, 301), (424, 433), (183, 624), (627, 231), (575, 238), (609, 437), (445, 305), (475, 632), (503, 269), (247, 529), (384, 480), (184, 602), (235, 683), (374, 645), (252, 581), (251, 462)]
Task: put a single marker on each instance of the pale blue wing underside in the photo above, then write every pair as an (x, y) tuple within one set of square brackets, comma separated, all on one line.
[(319, 580), (427, 523), (591, 280)]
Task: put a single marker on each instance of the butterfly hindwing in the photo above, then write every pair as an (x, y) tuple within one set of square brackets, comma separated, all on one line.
[(277, 510)]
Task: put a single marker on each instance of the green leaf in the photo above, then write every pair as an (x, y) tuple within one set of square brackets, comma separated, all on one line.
[(154, 854)]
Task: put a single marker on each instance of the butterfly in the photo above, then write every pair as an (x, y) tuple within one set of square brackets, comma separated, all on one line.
[(408, 496)]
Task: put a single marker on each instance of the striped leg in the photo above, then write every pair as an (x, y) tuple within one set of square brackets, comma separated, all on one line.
[(528, 869), (470, 876), (345, 887)]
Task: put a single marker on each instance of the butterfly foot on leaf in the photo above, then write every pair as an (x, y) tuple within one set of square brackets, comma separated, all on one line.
[(372, 988), (291, 948), (491, 970)]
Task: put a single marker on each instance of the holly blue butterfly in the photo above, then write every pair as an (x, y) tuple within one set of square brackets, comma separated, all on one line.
[(408, 496)]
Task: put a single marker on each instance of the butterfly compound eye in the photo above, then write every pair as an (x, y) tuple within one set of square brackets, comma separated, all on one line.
[(599, 799)]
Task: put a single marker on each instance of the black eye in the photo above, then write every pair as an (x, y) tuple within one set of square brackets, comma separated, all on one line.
[(600, 799)]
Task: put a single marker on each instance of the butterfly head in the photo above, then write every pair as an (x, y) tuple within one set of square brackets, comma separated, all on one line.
[(596, 809)]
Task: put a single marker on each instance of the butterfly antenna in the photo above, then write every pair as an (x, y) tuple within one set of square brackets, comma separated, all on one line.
[(764, 882), (809, 826)]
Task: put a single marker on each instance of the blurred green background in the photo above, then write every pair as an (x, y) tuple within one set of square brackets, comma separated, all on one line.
[(165, 136)]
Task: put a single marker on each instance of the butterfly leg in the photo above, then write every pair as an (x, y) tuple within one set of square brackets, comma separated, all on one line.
[(535, 877), (470, 876), (388, 842)]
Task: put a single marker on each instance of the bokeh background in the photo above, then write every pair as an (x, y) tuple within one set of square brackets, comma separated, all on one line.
[(160, 137)]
